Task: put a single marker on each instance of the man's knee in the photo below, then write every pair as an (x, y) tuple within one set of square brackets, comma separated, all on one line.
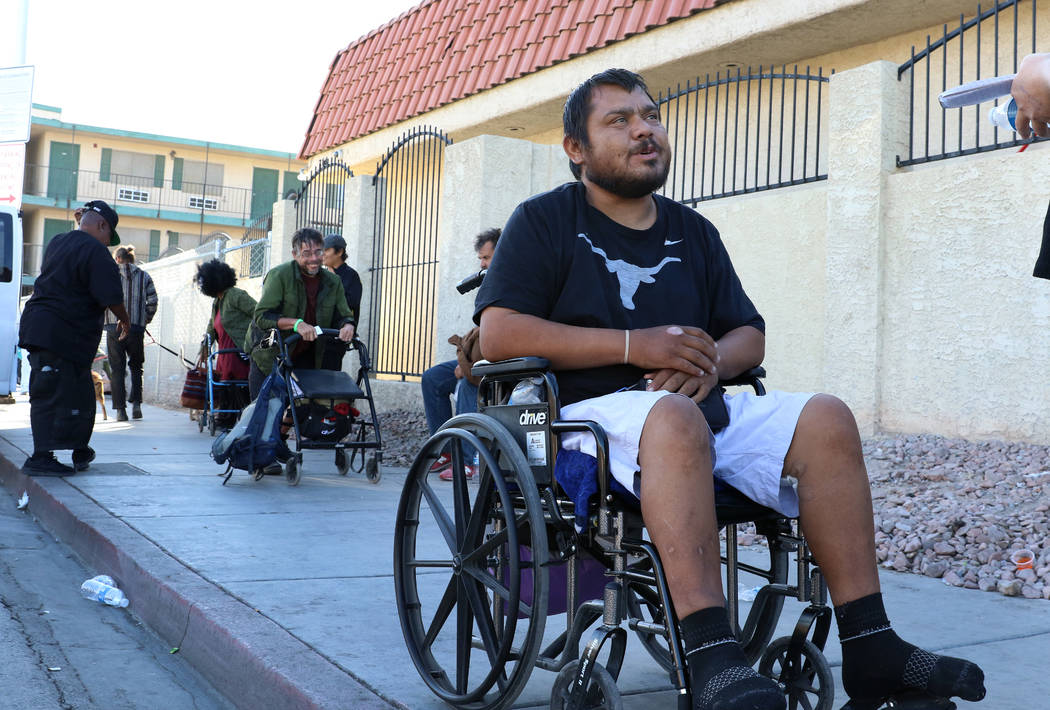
[(826, 428), (675, 422)]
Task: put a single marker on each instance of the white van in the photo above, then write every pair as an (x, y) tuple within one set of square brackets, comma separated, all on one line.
[(10, 291)]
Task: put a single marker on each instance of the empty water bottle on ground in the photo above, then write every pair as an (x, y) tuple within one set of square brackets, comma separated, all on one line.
[(528, 391), (99, 591)]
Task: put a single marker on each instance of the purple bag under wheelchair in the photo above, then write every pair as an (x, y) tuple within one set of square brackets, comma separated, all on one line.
[(591, 580)]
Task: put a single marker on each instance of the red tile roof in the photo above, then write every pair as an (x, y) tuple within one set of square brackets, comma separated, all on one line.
[(444, 50)]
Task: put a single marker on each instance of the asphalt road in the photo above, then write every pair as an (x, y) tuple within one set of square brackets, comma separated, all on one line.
[(62, 651)]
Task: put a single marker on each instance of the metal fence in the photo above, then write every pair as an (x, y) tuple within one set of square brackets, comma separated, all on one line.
[(988, 44), (255, 261), (72, 187), (404, 253), (745, 132), (320, 204)]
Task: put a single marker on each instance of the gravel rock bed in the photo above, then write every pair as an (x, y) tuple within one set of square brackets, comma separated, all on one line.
[(945, 508)]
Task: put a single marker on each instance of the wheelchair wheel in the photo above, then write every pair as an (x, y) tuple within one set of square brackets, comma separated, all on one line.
[(293, 469), (470, 574), (372, 470), (805, 678), (342, 462), (601, 693)]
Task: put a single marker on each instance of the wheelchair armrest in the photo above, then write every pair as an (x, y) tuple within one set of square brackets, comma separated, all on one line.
[(751, 378), (516, 365)]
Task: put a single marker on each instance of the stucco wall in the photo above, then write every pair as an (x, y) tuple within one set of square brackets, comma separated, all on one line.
[(966, 327), (776, 240)]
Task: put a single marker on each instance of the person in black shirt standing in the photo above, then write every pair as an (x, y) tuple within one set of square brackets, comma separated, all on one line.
[(61, 327), (633, 299), (335, 261)]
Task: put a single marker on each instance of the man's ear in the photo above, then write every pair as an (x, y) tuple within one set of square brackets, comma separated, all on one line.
[(572, 149)]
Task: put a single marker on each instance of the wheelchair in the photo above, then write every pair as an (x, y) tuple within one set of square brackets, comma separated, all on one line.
[(515, 548)]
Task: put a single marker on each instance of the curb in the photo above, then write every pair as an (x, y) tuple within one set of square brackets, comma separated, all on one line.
[(248, 658)]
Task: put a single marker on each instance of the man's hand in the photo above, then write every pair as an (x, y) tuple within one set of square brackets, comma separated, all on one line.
[(1031, 91), (346, 333), (684, 348), (306, 331), (123, 328), (696, 388)]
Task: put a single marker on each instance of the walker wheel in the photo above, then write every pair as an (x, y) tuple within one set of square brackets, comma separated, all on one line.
[(342, 462), (804, 676), (202, 415), (601, 693), (293, 470), (372, 470), (211, 425)]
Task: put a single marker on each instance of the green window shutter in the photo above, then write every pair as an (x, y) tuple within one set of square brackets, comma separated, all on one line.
[(54, 227), (154, 244), (291, 183), (173, 239), (107, 160), (158, 171), (176, 173)]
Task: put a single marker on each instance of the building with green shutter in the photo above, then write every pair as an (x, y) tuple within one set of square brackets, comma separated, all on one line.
[(171, 193)]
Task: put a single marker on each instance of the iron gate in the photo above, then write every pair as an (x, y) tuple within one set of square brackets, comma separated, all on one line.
[(404, 253), (320, 204)]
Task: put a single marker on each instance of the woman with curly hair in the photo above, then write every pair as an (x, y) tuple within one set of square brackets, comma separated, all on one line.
[(231, 313)]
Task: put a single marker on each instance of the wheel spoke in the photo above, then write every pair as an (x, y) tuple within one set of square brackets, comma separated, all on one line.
[(448, 600), (804, 701), (499, 589), (464, 636), (444, 522), (486, 626)]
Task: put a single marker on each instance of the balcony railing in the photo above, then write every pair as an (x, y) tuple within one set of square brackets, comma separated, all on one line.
[(72, 187)]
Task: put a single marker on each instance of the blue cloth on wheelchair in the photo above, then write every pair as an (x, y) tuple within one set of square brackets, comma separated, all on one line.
[(577, 474)]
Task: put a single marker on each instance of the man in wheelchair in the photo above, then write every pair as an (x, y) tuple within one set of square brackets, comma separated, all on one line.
[(635, 303)]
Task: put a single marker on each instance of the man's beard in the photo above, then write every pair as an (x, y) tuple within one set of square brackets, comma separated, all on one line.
[(629, 186)]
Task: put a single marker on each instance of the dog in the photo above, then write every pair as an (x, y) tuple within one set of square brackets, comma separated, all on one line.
[(100, 396)]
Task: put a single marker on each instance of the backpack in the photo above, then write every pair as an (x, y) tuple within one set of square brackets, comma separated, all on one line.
[(255, 441)]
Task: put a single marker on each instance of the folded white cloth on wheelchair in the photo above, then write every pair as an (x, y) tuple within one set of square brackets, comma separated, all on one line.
[(747, 455)]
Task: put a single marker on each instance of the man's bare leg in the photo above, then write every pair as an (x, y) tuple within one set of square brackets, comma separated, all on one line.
[(677, 499), (835, 513), (678, 502)]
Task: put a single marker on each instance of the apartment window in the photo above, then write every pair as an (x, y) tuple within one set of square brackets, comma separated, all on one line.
[(173, 239), (205, 203), (196, 174), (138, 170)]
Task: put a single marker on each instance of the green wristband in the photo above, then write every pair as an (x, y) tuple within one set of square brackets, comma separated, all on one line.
[(295, 326)]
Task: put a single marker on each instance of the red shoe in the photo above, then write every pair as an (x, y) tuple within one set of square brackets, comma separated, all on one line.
[(442, 463), (446, 475)]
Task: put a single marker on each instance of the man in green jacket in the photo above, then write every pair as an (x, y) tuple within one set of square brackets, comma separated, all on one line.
[(298, 296)]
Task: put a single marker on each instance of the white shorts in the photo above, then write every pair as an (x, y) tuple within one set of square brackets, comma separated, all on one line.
[(748, 454)]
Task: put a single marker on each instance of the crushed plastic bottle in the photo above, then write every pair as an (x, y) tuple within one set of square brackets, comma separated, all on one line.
[(98, 590), (748, 595), (528, 391), (1004, 115)]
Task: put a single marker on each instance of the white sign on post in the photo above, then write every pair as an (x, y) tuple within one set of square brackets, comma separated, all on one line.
[(16, 104), (12, 168)]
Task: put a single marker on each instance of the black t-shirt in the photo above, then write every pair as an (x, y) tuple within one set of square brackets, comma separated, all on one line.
[(562, 260), (351, 287), (77, 281)]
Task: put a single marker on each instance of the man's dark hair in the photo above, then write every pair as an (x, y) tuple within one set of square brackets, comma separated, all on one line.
[(306, 235), (214, 277), (489, 235), (578, 105)]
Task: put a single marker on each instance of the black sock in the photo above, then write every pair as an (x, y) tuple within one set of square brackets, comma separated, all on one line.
[(720, 675), (876, 663)]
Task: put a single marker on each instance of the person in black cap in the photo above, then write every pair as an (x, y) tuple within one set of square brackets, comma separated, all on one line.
[(335, 261), (61, 327)]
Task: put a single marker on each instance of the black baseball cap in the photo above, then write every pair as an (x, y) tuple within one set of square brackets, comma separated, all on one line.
[(334, 241), (110, 215)]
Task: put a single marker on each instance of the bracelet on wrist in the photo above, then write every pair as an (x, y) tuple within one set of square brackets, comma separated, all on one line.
[(295, 326)]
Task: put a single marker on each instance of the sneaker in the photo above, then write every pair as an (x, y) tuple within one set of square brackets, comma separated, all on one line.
[(441, 464), (82, 458), (136, 410), (122, 415), (469, 469), (46, 465)]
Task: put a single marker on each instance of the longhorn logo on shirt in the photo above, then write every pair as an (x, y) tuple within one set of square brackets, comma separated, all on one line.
[(627, 274)]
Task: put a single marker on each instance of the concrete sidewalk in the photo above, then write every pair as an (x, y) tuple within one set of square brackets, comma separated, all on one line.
[(283, 597)]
